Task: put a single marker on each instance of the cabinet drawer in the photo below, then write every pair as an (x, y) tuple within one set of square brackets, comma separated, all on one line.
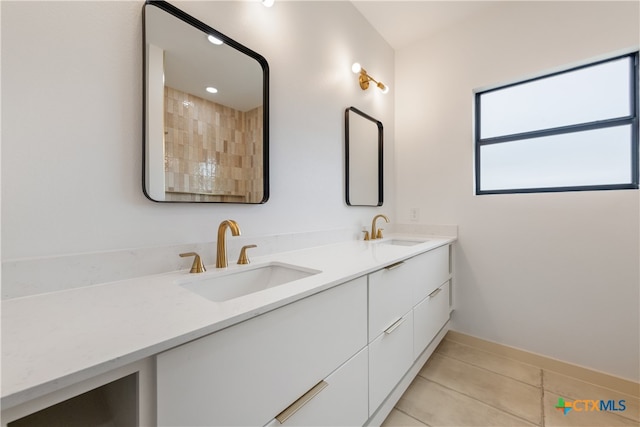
[(248, 373), (434, 271), (390, 356), (429, 317), (343, 401), (390, 294)]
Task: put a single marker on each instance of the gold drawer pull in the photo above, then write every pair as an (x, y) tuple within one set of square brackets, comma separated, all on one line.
[(394, 326), (303, 400), (394, 266), (434, 293)]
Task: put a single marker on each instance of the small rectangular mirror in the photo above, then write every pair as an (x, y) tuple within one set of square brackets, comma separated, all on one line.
[(206, 113), (364, 159)]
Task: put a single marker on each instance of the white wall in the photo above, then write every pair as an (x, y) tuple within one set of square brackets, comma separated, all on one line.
[(72, 123), (551, 273), (555, 274)]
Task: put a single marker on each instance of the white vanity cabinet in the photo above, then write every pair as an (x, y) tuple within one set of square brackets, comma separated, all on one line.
[(338, 356), (408, 306), (122, 397), (429, 316), (390, 356), (431, 297), (248, 373), (391, 294), (397, 288), (436, 269), (341, 401)]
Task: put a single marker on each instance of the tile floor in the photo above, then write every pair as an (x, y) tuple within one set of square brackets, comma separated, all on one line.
[(465, 386)]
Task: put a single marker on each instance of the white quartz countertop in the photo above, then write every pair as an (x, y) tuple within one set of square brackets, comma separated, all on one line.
[(53, 340)]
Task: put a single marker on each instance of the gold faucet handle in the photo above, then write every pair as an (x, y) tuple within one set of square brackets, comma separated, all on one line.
[(379, 234), (243, 258), (197, 266), (366, 235)]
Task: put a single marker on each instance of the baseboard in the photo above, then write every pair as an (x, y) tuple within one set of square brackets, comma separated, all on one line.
[(588, 375)]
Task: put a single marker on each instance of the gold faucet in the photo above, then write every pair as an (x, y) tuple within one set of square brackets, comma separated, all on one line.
[(374, 234), (221, 256)]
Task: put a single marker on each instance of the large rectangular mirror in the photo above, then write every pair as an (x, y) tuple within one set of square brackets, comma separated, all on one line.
[(364, 160), (206, 113)]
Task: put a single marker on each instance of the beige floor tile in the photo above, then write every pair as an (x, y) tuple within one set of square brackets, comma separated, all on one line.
[(400, 419), (554, 417), (573, 388), (436, 405), (511, 368), (504, 393)]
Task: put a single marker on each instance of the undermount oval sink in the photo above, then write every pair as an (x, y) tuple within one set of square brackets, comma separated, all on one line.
[(402, 242), (222, 286)]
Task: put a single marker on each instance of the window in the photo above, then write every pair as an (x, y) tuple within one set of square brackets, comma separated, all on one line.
[(567, 131)]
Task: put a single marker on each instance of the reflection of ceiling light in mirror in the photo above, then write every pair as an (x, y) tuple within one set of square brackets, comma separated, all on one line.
[(212, 89), (214, 40), (187, 104), (268, 3)]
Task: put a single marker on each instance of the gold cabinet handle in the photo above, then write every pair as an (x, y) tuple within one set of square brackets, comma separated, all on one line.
[(434, 293), (394, 266), (197, 266), (243, 258), (394, 326), (302, 400)]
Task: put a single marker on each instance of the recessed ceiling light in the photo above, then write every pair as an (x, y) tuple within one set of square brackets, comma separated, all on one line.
[(268, 3), (212, 89), (214, 40)]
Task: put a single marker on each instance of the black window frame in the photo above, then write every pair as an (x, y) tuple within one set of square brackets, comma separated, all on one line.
[(631, 119)]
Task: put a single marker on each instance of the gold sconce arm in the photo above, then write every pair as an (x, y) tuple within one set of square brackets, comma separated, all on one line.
[(364, 78)]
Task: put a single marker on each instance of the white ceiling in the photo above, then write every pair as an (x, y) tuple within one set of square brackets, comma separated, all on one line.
[(399, 22), (191, 63), (402, 23)]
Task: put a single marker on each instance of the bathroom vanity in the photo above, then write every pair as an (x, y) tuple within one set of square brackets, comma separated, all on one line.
[(337, 345)]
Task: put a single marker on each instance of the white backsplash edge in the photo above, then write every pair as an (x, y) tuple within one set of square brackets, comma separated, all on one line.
[(448, 230), (32, 276)]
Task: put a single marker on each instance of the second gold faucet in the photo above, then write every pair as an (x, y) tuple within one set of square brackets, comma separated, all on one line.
[(377, 234), (221, 255)]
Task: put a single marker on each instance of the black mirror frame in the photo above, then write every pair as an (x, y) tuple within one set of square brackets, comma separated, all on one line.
[(185, 17), (380, 155)]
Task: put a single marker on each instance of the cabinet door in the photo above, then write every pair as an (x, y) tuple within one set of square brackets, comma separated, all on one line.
[(342, 401), (390, 294), (435, 271), (390, 356), (429, 317), (250, 372)]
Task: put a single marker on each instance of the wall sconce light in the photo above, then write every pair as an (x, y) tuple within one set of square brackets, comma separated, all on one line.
[(365, 78), (268, 3)]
